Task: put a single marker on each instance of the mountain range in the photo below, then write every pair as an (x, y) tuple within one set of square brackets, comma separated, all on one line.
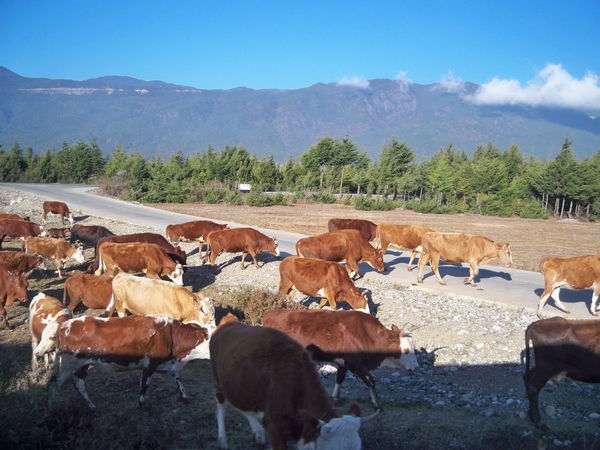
[(159, 118)]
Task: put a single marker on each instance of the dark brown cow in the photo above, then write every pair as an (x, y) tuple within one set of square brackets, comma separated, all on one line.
[(367, 228), (136, 257), (245, 240), (88, 234), (18, 229), (575, 272), (152, 344), (409, 237), (59, 208), (341, 246), (21, 263), (460, 247), (175, 253), (266, 374), (561, 347), (13, 216), (316, 277), (193, 231), (12, 288), (367, 347), (57, 249), (93, 291)]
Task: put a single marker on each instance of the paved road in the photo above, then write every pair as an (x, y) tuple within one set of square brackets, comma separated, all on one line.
[(519, 288)]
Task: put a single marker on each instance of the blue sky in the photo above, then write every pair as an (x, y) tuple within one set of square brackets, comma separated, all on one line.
[(531, 52)]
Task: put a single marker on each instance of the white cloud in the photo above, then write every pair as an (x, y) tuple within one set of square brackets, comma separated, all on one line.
[(355, 82), (451, 84), (553, 86), (403, 77)]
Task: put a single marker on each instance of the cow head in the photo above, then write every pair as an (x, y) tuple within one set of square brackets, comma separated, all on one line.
[(272, 247), (177, 275), (19, 289), (504, 253), (78, 255), (47, 342), (71, 219), (407, 358), (376, 260)]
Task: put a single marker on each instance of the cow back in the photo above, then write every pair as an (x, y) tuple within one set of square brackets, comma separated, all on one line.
[(93, 291), (88, 234), (19, 228), (367, 228)]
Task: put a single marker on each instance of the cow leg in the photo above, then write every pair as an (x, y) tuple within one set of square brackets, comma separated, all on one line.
[(435, 266), (244, 254), (254, 257), (3, 312), (221, 411), (340, 376), (534, 382), (594, 304), (556, 296), (425, 257), (78, 379), (353, 272), (182, 395), (145, 382), (257, 428), (473, 272), (413, 255)]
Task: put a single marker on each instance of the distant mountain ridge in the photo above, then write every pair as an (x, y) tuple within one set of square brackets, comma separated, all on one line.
[(159, 118)]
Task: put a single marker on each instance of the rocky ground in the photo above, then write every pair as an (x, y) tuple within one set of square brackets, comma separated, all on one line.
[(468, 394)]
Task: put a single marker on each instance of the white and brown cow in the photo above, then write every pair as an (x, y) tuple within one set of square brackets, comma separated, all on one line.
[(193, 231), (235, 240), (44, 309), (353, 340), (93, 291), (138, 257), (272, 379), (20, 262), (316, 277), (575, 272), (18, 229), (57, 249), (12, 287), (561, 348), (347, 246), (405, 236), (367, 228), (59, 208), (140, 295), (150, 343), (460, 247)]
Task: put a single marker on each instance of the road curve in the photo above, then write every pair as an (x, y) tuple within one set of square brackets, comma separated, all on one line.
[(514, 287)]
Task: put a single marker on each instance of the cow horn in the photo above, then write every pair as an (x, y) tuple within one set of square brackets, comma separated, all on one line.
[(367, 418)]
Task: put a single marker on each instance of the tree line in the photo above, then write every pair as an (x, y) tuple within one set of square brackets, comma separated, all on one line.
[(490, 182)]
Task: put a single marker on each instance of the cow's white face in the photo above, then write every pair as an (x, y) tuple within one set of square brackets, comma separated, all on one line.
[(407, 359), (177, 275), (47, 342), (340, 433), (78, 255)]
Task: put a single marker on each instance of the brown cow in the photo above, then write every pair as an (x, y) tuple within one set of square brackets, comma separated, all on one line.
[(13, 216), (271, 378), (152, 344), (89, 234), (409, 237), (42, 310), (341, 245), (57, 249), (18, 229), (12, 288), (193, 231), (561, 348), (367, 228), (460, 247), (22, 263), (59, 208), (575, 272), (93, 291), (245, 240), (57, 233), (136, 257), (367, 347), (326, 279)]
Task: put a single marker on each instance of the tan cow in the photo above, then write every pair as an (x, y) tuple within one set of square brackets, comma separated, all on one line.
[(93, 291), (145, 296), (57, 249), (138, 257), (245, 240), (460, 247), (20, 262), (193, 231), (316, 277), (12, 288), (575, 272), (347, 246), (59, 208), (407, 237)]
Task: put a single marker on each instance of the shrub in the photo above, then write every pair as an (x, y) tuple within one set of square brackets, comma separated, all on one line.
[(233, 197), (363, 203), (250, 304)]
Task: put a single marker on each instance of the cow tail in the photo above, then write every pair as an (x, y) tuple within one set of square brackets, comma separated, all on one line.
[(527, 358)]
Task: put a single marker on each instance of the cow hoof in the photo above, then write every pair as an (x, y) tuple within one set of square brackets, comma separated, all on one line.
[(409, 268)]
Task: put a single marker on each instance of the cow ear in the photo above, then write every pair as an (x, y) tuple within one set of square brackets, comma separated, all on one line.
[(355, 409)]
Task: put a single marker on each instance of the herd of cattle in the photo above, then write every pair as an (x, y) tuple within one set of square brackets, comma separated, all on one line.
[(169, 325)]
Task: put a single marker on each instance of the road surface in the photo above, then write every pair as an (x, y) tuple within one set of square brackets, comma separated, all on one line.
[(518, 288)]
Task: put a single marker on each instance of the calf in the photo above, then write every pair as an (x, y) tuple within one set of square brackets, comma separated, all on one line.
[(56, 233), (320, 278), (138, 257), (18, 229), (59, 208), (271, 378), (367, 347), (193, 231), (367, 228), (22, 263), (404, 236), (57, 249), (93, 291), (42, 310), (561, 347), (575, 272), (245, 240), (341, 245), (460, 247), (89, 234), (152, 344), (159, 298), (12, 288)]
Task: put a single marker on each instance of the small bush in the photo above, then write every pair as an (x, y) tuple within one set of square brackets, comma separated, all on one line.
[(213, 195), (363, 203), (233, 197), (250, 304)]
